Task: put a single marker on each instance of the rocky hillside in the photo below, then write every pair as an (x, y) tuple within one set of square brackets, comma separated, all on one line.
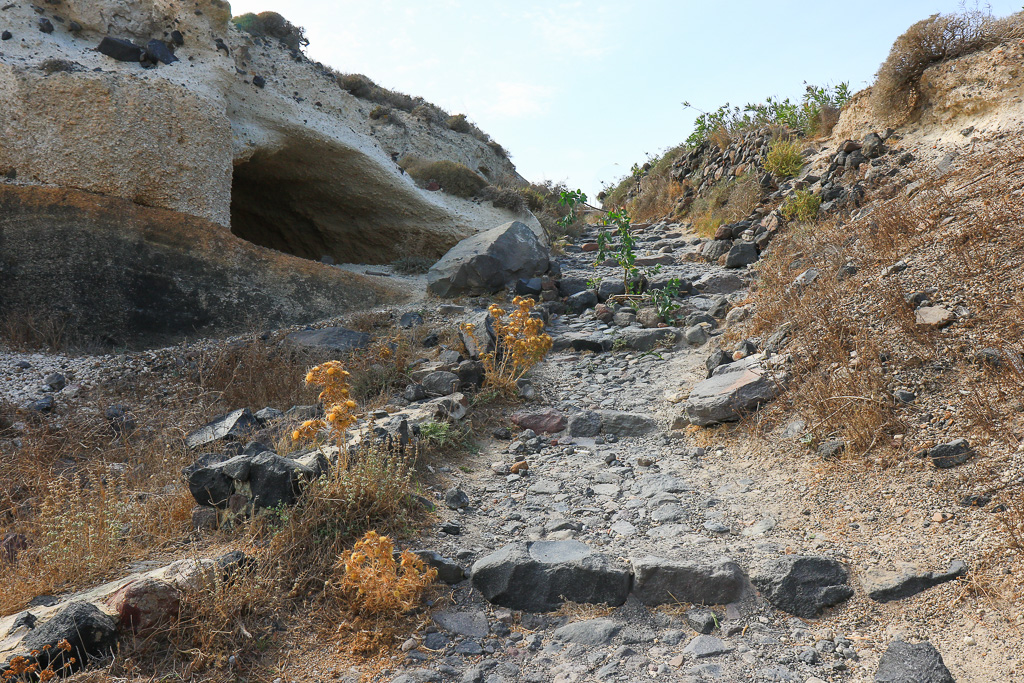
[(774, 435), (167, 108)]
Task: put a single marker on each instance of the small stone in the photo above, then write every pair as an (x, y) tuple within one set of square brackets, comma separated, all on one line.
[(45, 25), (947, 455), (933, 317), (706, 646), (456, 498)]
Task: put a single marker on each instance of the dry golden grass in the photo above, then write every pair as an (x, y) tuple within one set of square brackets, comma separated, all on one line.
[(33, 331), (728, 201), (657, 199), (87, 504)]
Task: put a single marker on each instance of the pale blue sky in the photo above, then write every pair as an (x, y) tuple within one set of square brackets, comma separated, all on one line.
[(579, 91)]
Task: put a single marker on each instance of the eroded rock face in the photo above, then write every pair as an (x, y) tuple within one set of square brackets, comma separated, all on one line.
[(119, 271)]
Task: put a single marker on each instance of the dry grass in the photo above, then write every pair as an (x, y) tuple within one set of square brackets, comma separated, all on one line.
[(453, 177), (34, 331), (784, 158), (728, 201), (87, 503), (938, 38), (855, 339)]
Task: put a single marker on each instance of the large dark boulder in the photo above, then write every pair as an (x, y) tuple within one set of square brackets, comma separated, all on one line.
[(540, 576), (803, 585), (488, 261), (662, 581), (907, 663), (89, 632)]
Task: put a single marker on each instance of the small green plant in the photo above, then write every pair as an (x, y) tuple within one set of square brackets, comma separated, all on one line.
[(802, 206), (272, 25), (784, 158), (623, 251), (571, 199), (594, 283), (664, 300)]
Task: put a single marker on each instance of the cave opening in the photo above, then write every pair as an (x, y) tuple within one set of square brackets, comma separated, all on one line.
[(311, 201)]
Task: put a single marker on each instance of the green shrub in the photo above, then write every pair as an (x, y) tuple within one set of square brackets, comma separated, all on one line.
[(453, 177), (801, 205), (272, 25), (459, 124), (784, 158), (504, 198)]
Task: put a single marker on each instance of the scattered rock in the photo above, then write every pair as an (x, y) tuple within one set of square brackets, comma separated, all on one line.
[(470, 624), (594, 632), (441, 383), (235, 426), (541, 420), (448, 571), (933, 317), (90, 632), (622, 423), (586, 423), (456, 498), (488, 261), (912, 663), (733, 390), (706, 646), (119, 49), (803, 585), (947, 455), (886, 586), (145, 605), (329, 339)]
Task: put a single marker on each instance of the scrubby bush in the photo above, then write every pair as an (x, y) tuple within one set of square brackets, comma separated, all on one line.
[(802, 206), (380, 112), (413, 265), (727, 202), (784, 158), (453, 177), (459, 123), (498, 149), (430, 113), (357, 84), (932, 40), (272, 25), (504, 198), (522, 343)]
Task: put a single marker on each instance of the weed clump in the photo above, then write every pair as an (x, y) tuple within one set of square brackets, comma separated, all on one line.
[(505, 198), (784, 158), (801, 206), (727, 202), (453, 177), (332, 378), (272, 25), (377, 591)]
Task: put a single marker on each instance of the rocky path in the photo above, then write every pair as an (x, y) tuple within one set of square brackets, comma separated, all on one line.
[(606, 482)]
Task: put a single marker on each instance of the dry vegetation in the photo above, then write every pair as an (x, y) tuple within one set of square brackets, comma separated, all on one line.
[(728, 201), (855, 339), (938, 38)]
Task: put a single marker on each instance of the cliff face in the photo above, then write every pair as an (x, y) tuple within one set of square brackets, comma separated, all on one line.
[(240, 130)]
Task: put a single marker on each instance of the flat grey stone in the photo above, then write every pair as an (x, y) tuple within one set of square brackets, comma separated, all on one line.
[(469, 624), (912, 663), (592, 632), (706, 646), (886, 586)]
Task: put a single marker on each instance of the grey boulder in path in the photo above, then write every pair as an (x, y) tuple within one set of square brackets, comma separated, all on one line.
[(486, 262), (540, 576)]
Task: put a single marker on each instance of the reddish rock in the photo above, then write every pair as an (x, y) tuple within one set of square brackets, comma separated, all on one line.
[(546, 420), (519, 467), (723, 233), (145, 605), (603, 313), (589, 246)]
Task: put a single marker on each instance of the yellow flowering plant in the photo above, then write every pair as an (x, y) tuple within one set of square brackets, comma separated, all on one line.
[(333, 380), (521, 344)]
